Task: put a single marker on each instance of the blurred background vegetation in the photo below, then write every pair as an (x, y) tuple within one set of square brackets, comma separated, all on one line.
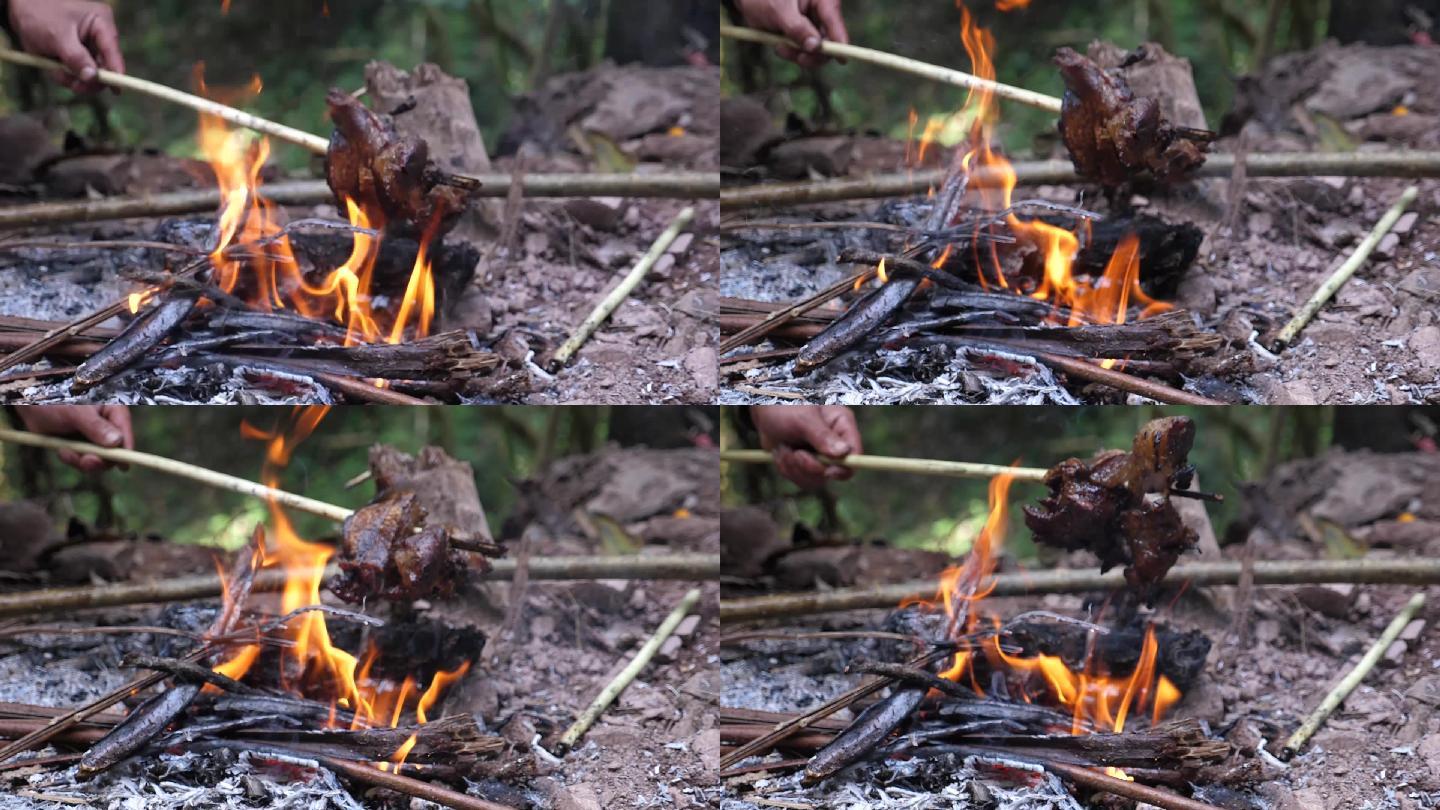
[(1233, 445), (502, 444), (1222, 39), (300, 48)]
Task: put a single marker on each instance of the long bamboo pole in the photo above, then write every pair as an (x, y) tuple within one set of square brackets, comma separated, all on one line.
[(912, 67), (1403, 163), (921, 466), (1413, 571), (688, 566)]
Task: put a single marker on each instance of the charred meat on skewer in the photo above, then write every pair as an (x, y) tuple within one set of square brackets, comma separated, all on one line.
[(370, 162), (1118, 504), (384, 555), (1113, 136)]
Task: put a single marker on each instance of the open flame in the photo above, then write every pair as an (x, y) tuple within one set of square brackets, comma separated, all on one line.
[(313, 665), (254, 259), (1076, 299), (1096, 700)]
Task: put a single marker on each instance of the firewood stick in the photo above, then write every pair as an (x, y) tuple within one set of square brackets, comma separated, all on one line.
[(410, 787), (923, 466), (1402, 163), (1347, 685), (314, 143), (689, 566), (638, 663), (1412, 571), (1347, 269), (622, 291), (179, 468), (905, 65), (1129, 383), (1095, 780)]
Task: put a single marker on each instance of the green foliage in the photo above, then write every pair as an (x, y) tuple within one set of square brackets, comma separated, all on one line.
[(502, 444)]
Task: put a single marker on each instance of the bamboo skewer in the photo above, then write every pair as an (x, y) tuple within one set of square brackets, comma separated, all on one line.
[(1403, 163), (922, 466), (687, 566), (370, 774), (1347, 685), (1096, 780), (1343, 273), (913, 67), (1414, 571), (627, 285), (240, 118), (612, 690)]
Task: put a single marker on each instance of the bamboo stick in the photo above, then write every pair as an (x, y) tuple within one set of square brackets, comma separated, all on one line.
[(687, 566), (1413, 571), (638, 663), (190, 471), (678, 185), (622, 291), (912, 67), (1347, 685), (922, 466), (372, 775), (1347, 269), (1096, 780), (1085, 370), (1403, 163), (239, 118)]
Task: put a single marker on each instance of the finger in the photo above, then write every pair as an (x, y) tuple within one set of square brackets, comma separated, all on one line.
[(837, 473), (787, 52), (798, 28), (821, 435), (811, 60), (77, 59), (106, 41), (70, 457), (119, 416), (842, 422), (831, 20), (92, 424), (92, 464), (809, 472)]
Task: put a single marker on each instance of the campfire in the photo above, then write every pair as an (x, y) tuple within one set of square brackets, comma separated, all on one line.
[(1085, 700)]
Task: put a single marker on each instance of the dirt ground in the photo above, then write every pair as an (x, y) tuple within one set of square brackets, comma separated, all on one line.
[(1269, 243), (1275, 654), (544, 265), (656, 746)]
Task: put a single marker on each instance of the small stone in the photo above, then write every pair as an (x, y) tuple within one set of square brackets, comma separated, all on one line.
[(1412, 631), (1395, 654), (681, 244), (1425, 345), (1333, 600), (608, 595), (1406, 224), (663, 266), (1388, 243), (600, 213), (669, 649), (687, 626), (542, 626)]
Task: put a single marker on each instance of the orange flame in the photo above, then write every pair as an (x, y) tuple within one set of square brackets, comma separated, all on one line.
[(1011, 5), (253, 258), (993, 181), (313, 664)]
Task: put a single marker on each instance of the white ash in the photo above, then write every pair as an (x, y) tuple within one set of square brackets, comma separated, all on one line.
[(215, 383), (907, 376), (939, 783)]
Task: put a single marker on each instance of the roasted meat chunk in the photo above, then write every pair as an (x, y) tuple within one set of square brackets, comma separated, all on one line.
[(384, 172), (1114, 136), (1118, 504), (389, 553)]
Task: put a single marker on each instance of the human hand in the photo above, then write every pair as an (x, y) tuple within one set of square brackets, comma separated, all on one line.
[(79, 33), (795, 433), (105, 425), (805, 22)]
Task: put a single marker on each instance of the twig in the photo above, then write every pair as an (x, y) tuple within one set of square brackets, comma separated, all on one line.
[(1403, 163), (780, 317), (361, 391), (1347, 685), (922, 466), (690, 566), (1095, 780), (1343, 273), (622, 291), (1085, 370), (1413, 571), (641, 659), (410, 787), (902, 64), (181, 469)]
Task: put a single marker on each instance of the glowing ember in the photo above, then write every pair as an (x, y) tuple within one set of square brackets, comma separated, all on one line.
[(313, 665)]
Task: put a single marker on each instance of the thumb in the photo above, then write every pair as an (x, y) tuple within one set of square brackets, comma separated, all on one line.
[(75, 56), (798, 28), (823, 438), (96, 428)]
